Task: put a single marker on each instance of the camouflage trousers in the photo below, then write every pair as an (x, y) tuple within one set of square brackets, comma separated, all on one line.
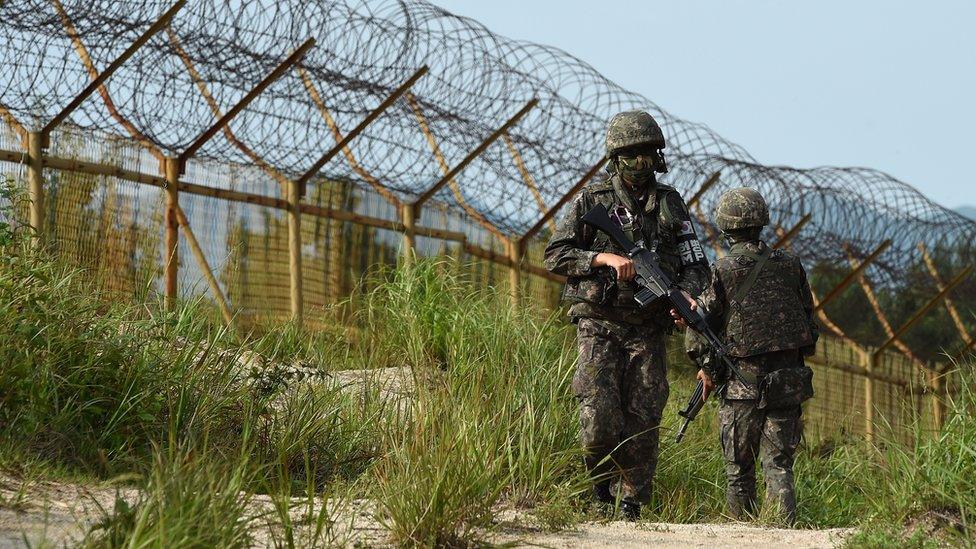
[(622, 387), (774, 436)]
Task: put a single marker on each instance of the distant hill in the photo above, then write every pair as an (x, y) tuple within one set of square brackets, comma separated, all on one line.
[(968, 211)]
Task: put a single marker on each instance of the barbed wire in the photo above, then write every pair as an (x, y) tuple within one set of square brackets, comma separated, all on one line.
[(477, 80)]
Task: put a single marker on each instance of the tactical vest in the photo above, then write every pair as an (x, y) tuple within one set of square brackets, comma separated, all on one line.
[(655, 226), (769, 316)]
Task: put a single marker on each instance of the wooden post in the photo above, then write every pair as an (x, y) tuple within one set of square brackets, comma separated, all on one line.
[(920, 313), (554, 209), (283, 67), (408, 215), (427, 194), (386, 193), (514, 249), (35, 185), (172, 168), (191, 239), (373, 115), (527, 177), (451, 181), (295, 251), (789, 235), (872, 361), (107, 73), (949, 305), (935, 384), (712, 180), (853, 275)]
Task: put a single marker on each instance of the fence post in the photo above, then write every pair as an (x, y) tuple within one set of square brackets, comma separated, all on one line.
[(935, 383), (373, 115), (219, 297), (554, 209), (408, 213), (788, 236), (295, 251), (35, 185), (712, 180), (514, 248), (872, 361), (172, 168), (453, 172)]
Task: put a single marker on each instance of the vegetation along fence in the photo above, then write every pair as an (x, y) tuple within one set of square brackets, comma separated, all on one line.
[(274, 151)]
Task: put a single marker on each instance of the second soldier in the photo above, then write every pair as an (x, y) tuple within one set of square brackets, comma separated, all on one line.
[(760, 300)]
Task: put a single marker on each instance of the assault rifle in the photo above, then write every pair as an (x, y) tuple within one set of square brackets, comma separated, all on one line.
[(653, 284)]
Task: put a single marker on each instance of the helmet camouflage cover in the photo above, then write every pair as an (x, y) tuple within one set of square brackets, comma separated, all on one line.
[(741, 208), (630, 128)]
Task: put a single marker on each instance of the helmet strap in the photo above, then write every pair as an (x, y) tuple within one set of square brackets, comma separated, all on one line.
[(660, 166)]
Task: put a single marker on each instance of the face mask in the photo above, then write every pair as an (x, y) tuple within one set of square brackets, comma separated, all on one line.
[(638, 170)]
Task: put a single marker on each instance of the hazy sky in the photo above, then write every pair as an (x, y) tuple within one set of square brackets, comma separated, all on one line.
[(889, 85)]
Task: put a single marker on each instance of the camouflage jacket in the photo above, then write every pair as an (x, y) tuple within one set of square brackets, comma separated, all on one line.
[(662, 222), (772, 317)]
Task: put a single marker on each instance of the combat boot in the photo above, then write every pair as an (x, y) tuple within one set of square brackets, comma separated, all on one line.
[(601, 494), (630, 509)]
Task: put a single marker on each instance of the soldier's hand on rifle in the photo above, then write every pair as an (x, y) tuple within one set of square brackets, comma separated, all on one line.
[(622, 265), (678, 321), (707, 384)]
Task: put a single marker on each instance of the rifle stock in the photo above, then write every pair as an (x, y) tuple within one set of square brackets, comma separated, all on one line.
[(599, 219)]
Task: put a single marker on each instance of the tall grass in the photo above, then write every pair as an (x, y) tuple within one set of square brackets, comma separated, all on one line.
[(97, 388), (925, 492), (206, 418), (492, 417), (188, 501)]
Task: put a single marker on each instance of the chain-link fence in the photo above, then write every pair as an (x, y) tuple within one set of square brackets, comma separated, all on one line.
[(290, 146)]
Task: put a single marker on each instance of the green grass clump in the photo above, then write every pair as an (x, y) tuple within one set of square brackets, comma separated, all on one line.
[(438, 484), (187, 501), (95, 388), (79, 382), (492, 419), (928, 489)]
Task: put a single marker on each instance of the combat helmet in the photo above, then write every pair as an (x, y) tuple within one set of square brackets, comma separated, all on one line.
[(741, 208), (630, 128)]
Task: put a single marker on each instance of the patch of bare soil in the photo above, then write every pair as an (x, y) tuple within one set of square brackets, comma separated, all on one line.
[(42, 513), (620, 534), (59, 514), (942, 523)]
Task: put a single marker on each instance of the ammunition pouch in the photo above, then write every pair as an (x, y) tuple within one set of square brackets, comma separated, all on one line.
[(785, 388), (597, 289)]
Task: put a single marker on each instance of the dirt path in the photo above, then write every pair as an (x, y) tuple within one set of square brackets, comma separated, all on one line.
[(625, 534), (58, 514)]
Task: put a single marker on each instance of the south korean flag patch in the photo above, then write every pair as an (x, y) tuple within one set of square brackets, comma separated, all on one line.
[(689, 248)]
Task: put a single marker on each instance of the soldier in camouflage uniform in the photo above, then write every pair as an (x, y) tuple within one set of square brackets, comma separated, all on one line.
[(620, 381), (759, 298)]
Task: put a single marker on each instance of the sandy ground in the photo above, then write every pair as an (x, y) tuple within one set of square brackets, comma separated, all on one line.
[(55, 514), (58, 514), (655, 534)]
